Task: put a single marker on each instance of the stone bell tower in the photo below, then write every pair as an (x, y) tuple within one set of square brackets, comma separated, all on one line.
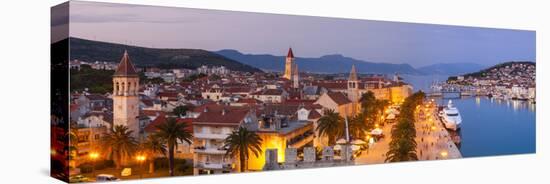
[(125, 95), (353, 90), (353, 85), (289, 65)]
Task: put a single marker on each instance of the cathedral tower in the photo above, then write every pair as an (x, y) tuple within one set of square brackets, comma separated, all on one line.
[(353, 85), (353, 90), (125, 95), (295, 77), (289, 65)]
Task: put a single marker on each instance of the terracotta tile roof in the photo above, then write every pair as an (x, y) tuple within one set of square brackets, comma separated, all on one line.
[(271, 92), (281, 109), (152, 127), (237, 90), (94, 97), (152, 113), (299, 101), (228, 116), (294, 94), (313, 114), (213, 106), (339, 98), (147, 102), (168, 94), (105, 116), (333, 85), (251, 101), (125, 68)]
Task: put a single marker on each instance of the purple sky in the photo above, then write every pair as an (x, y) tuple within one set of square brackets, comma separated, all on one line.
[(255, 33)]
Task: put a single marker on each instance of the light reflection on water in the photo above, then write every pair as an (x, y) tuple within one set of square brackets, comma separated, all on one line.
[(490, 126)]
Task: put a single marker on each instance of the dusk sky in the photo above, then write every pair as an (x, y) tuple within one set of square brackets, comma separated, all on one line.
[(256, 33)]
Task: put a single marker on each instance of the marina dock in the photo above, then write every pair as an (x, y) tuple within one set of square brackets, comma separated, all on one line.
[(434, 142)]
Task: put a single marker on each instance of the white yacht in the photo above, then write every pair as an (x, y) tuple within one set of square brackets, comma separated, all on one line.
[(451, 117)]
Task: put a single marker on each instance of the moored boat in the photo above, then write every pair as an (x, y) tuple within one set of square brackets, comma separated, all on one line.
[(451, 117)]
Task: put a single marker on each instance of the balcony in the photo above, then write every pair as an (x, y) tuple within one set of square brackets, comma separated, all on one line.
[(202, 149), (206, 165), (202, 135)]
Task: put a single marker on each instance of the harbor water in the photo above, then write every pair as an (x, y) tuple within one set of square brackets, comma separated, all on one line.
[(489, 126)]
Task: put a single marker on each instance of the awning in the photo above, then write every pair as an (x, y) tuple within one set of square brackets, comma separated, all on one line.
[(358, 142), (341, 141), (376, 131)]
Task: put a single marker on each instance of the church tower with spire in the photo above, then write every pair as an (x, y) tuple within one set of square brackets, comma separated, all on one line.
[(353, 85), (289, 65), (125, 95), (295, 77), (353, 90)]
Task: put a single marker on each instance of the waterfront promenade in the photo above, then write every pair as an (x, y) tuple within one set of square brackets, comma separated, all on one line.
[(376, 154), (433, 140)]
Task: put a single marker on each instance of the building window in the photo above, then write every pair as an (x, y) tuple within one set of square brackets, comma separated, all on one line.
[(96, 137)]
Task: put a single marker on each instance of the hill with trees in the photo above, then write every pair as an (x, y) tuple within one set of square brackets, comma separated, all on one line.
[(91, 51)]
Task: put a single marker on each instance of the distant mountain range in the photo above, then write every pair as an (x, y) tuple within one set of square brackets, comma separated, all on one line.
[(340, 64), (88, 50), (326, 64)]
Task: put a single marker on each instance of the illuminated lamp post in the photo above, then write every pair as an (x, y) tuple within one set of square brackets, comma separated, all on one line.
[(140, 159), (93, 156)]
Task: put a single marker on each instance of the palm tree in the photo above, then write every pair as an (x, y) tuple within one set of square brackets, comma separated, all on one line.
[(152, 146), (330, 125), (240, 143), (403, 145), (181, 110), (402, 150), (372, 108), (170, 132), (358, 127), (119, 144)]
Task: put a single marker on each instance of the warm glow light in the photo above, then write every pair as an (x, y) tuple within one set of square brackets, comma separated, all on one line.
[(376, 125), (433, 127), (93, 155), (53, 152), (444, 153), (140, 158), (270, 141)]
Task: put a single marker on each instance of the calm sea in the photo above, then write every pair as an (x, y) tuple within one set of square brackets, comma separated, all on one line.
[(489, 127)]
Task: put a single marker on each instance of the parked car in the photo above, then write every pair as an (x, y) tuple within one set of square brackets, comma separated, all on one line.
[(106, 177)]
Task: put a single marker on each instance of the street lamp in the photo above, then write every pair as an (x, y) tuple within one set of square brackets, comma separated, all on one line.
[(140, 159), (93, 156), (444, 154)]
